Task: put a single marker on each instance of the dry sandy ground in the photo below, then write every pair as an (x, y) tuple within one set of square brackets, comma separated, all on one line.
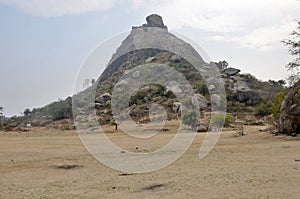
[(258, 165)]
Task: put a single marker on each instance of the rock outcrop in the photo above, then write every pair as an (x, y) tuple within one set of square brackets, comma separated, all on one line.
[(153, 35), (290, 112), (249, 96), (155, 20), (102, 99), (243, 93), (231, 71), (201, 128), (202, 102), (176, 107)]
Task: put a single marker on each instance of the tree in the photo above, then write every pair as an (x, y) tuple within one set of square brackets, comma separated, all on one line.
[(276, 105), (281, 82), (1, 110), (293, 45), (93, 81), (190, 118), (223, 64), (27, 112)]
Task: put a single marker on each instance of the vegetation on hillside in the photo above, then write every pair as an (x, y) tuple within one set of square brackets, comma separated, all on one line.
[(191, 118), (293, 45), (289, 122), (142, 98)]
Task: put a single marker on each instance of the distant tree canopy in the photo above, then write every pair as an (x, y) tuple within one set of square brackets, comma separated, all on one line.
[(1, 110), (281, 82), (293, 45), (62, 110), (222, 64), (27, 112)]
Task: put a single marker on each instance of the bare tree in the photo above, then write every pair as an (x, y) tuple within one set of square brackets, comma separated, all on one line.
[(293, 45), (1, 115)]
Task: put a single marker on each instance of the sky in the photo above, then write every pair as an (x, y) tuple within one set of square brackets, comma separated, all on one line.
[(44, 43)]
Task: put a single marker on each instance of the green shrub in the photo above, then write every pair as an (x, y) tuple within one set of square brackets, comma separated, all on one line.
[(107, 104), (104, 120), (219, 119), (190, 118), (228, 118), (202, 88), (276, 105), (170, 94), (264, 109), (113, 122), (62, 113)]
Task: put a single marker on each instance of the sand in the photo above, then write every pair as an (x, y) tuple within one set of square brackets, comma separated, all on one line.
[(38, 164)]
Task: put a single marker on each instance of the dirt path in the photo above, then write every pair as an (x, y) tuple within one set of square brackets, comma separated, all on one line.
[(257, 165)]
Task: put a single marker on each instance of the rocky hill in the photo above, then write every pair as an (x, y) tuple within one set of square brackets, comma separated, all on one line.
[(244, 92)]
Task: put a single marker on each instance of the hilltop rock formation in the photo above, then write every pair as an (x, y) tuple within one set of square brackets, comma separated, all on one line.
[(290, 112), (155, 20), (153, 35)]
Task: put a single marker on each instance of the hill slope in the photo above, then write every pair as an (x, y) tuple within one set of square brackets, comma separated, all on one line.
[(244, 91)]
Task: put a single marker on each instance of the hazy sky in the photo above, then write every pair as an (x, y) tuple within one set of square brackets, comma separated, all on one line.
[(43, 43)]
